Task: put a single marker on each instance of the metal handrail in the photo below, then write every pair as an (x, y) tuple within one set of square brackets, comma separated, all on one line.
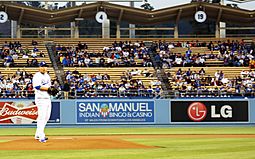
[(173, 94), (137, 36)]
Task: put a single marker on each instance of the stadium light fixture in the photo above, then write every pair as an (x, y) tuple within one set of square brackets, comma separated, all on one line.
[(79, 19)]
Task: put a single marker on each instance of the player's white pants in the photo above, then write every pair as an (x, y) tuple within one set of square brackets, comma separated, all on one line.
[(44, 111)]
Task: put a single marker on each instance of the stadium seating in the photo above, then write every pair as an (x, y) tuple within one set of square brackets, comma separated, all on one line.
[(96, 46)]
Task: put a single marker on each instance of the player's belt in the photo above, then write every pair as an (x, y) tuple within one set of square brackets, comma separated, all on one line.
[(42, 98)]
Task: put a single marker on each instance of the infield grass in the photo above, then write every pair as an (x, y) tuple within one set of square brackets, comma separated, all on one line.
[(166, 148), (128, 130)]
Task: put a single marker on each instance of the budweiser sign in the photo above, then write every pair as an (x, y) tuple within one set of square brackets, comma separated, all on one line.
[(18, 114)]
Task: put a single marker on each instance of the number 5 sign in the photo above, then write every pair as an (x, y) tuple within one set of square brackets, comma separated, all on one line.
[(3, 17), (200, 16)]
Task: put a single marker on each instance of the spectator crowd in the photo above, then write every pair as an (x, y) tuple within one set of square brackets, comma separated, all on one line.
[(125, 54), (132, 54), (10, 52)]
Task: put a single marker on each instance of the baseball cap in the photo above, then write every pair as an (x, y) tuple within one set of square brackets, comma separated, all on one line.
[(43, 64)]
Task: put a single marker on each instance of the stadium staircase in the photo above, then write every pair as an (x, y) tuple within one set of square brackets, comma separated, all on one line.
[(160, 73), (58, 68)]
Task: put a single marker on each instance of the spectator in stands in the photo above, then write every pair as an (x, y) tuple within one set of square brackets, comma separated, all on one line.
[(26, 51), (34, 62), (42, 54), (15, 56), (25, 56), (157, 91), (29, 63), (66, 61), (30, 90), (101, 62), (82, 46), (146, 72), (158, 61), (81, 61), (33, 54), (122, 90), (76, 73), (34, 43), (188, 53), (17, 45), (35, 49), (155, 83), (106, 77), (87, 61), (202, 71), (8, 61), (178, 61), (66, 89)]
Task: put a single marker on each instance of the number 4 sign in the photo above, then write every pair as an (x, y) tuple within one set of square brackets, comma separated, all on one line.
[(101, 17), (3, 17), (200, 16)]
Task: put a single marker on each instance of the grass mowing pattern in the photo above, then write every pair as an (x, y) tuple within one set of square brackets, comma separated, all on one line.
[(4, 141), (116, 131), (168, 148), (218, 148)]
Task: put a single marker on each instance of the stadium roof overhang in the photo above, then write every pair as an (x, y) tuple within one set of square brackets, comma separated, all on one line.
[(241, 1), (26, 14)]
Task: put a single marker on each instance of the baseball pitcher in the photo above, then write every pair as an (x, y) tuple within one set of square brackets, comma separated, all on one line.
[(43, 90)]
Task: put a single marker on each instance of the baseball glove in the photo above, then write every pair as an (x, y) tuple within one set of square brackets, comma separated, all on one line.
[(52, 91)]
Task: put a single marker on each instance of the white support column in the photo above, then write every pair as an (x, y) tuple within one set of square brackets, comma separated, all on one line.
[(118, 31), (222, 31), (176, 27), (132, 31), (217, 24), (222, 24), (46, 32), (73, 4), (13, 29), (18, 32), (132, 26), (106, 29), (76, 32), (73, 26), (217, 30), (72, 29), (118, 24), (176, 31)]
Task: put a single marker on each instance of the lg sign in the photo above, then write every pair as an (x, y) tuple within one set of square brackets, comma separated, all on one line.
[(197, 111), (209, 111)]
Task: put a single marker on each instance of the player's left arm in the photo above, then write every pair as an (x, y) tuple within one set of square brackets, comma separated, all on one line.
[(37, 84), (42, 88)]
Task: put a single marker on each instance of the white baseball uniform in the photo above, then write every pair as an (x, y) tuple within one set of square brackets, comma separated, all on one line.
[(42, 101)]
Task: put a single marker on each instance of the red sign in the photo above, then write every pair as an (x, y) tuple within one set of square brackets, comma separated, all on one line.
[(17, 114), (197, 111)]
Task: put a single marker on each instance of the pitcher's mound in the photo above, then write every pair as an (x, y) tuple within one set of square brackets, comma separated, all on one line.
[(69, 143)]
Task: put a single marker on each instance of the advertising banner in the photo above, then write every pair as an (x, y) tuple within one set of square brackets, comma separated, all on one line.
[(115, 112), (25, 112), (209, 111)]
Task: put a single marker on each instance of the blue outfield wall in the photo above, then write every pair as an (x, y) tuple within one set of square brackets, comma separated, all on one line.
[(133, 111)]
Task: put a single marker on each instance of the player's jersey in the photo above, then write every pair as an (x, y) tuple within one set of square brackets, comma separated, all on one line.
[(42, 80)]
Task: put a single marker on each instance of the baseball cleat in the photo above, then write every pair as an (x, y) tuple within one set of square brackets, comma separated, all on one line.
[(37, 138), (42, 140)]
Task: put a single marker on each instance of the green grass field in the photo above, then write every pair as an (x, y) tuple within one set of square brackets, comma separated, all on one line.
[(166, 148)]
